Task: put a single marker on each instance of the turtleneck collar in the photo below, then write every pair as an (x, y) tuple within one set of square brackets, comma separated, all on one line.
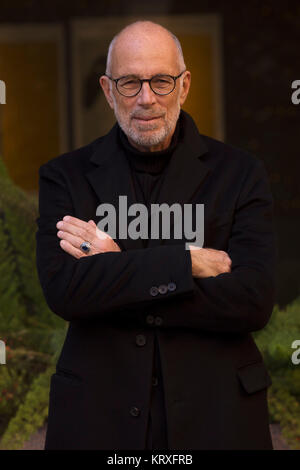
[(149, 162)]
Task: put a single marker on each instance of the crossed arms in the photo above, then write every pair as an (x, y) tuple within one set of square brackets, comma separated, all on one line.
[(215, 291), (72, 232)]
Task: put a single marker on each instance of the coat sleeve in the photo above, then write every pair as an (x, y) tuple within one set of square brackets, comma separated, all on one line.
[(242, 300), (106, 285)]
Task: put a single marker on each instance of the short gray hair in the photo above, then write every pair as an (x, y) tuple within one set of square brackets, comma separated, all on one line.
[(113, 41)]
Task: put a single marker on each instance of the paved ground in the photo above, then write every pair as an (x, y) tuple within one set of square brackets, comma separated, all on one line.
[(37, 440), (279, 442)]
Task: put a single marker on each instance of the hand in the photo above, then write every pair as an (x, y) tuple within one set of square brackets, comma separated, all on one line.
[(73, 232), (208, 262)]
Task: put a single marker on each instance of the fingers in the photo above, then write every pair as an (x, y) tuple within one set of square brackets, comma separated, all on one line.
[(71, 239), (68, 248), (87, 231), (226, 259), (73, 232), (209, 262), (225, 263), (77, 227)]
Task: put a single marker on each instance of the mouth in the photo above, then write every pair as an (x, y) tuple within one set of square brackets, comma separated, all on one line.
[(147, 119)]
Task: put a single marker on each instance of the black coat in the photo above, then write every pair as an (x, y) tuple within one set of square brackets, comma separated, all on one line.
[(214, 377)]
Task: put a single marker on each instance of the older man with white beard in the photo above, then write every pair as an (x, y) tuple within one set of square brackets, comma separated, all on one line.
[(159, 352)]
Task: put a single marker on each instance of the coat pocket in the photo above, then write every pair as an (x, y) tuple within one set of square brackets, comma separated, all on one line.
[(254, 377), (68, 375), (65, 417)]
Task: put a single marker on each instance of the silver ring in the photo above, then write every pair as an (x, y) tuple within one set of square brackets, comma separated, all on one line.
[(85, 247)]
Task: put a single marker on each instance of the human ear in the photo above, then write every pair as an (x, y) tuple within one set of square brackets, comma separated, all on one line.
[(186, 82), (105, 85)]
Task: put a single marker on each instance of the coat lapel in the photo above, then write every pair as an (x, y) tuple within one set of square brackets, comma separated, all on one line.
[(111, 179), (186, 172), (112, 176)]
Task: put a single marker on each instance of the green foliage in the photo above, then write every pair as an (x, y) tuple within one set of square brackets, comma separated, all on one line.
[(274, 342), (13, 387), (22, 302), (31, 414), (32, 333)]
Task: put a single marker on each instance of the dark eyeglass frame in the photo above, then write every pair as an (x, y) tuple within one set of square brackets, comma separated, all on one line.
[(142, 80)]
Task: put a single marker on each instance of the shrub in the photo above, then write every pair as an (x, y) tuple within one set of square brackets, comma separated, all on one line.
[(32, 333), (274, 342)]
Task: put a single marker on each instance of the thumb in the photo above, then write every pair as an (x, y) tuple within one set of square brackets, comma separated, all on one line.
[(91, 222)]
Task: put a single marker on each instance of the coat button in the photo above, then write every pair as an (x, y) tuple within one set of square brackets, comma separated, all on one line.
[(134, 411), (153, 291), (171, 286), (150, 319), (158, 321), (140, 340), (162, 289), (154, 381)]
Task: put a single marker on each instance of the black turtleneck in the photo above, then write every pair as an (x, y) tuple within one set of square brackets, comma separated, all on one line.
[(149, 162), (148, 168)]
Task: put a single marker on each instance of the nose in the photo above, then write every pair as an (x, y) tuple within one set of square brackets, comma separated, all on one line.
[(146, 96)]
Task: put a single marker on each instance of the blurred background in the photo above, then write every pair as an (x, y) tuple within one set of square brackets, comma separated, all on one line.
[(243, 60)]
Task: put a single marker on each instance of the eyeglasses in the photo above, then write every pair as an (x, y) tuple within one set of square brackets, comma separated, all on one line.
[(130, 85)]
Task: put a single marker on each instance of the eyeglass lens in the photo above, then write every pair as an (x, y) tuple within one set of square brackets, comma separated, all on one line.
[(161, 84)]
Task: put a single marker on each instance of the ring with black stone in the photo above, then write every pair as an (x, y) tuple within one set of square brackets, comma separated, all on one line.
[(85, 247)]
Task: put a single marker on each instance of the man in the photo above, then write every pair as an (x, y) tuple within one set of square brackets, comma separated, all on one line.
[(159, 352)]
